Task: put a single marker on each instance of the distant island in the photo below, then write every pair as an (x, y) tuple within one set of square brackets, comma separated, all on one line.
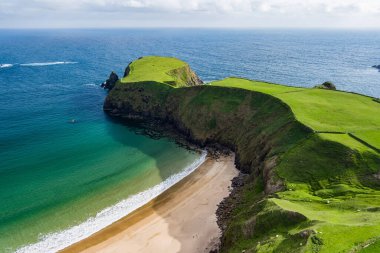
[(309, 157)]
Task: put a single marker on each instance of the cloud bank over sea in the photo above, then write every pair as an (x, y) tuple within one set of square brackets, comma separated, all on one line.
[(190, 13)]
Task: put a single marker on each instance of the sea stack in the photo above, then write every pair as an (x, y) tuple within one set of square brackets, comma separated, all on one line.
[(111, 81)]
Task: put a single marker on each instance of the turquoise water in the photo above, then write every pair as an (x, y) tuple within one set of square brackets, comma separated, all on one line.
[(60, 182), (55, 175), (67, 175)]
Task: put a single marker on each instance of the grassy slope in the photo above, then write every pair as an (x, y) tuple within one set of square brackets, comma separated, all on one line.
[(371, 137), (322, 110), (329, 187), (327, 175), (155, 68)]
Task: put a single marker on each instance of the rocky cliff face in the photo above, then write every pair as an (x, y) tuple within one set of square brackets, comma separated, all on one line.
[(111, 81), (186, 75), (251, 124), (326, 85)]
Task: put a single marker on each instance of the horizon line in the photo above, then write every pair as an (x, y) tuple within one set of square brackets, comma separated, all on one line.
[(193, 27)]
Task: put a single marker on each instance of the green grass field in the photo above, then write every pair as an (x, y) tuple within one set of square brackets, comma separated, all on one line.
[(371, 137), (155, 68), (322, 110), (346, 140)]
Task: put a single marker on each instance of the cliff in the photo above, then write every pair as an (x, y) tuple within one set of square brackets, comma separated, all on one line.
[(294, 170), (110, 82), (171, 71)]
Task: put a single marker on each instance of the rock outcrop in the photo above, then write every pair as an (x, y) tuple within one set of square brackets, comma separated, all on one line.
[(186, 75), (127, 70), (326, 85), (110, 83)]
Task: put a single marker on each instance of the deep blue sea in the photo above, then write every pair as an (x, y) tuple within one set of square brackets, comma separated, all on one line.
[(55, 175)]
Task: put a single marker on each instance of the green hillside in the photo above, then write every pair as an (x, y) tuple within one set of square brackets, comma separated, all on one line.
[(166, 70), (311, 154), (322, 110)]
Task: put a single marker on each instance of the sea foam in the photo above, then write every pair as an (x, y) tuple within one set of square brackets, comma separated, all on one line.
[(39, 64), (57, 241), (6, 65), (90, 84)]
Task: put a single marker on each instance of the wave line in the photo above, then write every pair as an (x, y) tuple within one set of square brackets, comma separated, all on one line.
[(57, 241), (40, 64)]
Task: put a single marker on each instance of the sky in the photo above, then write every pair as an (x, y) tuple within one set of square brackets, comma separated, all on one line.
[(190, 13)]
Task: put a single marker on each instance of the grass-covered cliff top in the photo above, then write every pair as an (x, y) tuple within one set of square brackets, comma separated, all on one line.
[(167, 70), (323, 110), (312, 154)]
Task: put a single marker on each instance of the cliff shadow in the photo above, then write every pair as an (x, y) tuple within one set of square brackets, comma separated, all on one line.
[(155, 133)]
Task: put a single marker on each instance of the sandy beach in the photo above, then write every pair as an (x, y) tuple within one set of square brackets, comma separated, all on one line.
[(182, 219)]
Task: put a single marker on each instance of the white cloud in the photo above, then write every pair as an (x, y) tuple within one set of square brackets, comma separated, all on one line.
[(271, 12)]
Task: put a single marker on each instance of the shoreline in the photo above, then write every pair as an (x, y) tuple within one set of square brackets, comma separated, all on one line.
[(60, 240), (168, 223)]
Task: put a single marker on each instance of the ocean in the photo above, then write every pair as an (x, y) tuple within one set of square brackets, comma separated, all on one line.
[(61, 181)]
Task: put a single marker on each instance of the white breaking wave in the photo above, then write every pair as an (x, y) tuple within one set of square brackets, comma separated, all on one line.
[(57, 241), (90, 84), (39, 64), (6, 65)]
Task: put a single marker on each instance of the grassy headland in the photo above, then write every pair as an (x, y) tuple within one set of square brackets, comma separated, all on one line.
[(312, 155), (160, 69)]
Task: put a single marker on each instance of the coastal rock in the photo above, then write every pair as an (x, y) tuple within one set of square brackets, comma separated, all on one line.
[(376, 67), (111, 81), (272, 183), (127, 70), (226, 207), (326, 85)]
